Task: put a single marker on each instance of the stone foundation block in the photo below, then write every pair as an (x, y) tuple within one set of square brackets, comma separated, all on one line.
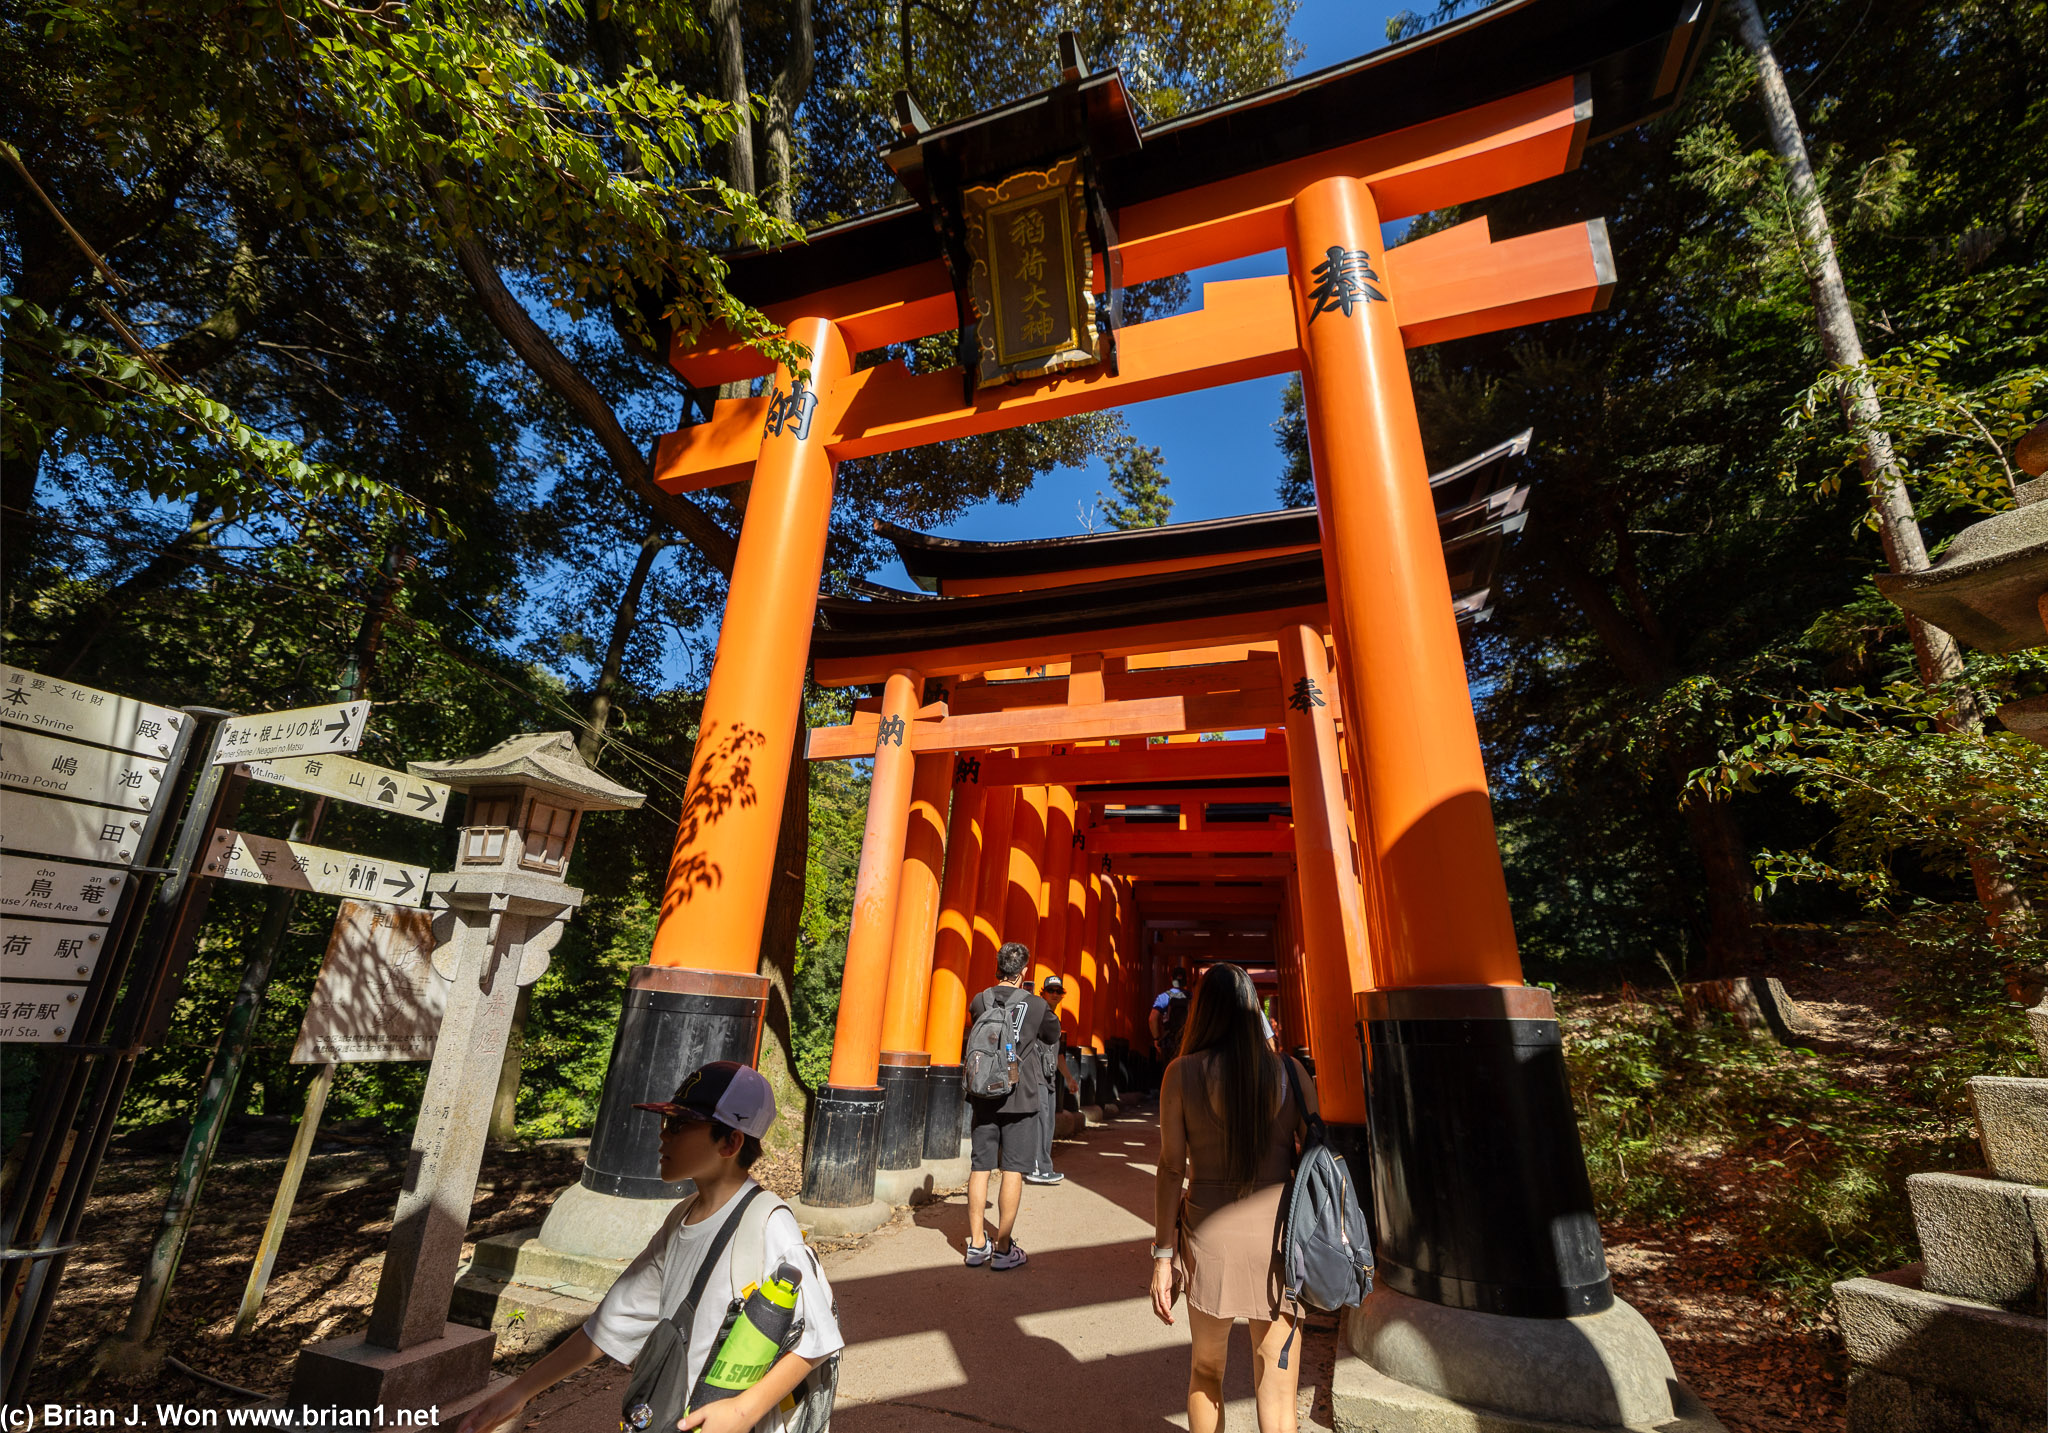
[(949, 1176), (1604, 1370), (1364, 1400), (522, 1257), (1892, 1326), (2012, 1122), (351, 1373), (2037, 1021), (525, 1320), (831, 1222), (897, 1187), (1982, 1237)]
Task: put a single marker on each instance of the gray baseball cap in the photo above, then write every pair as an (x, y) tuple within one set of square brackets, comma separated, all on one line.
[(735, 1095)]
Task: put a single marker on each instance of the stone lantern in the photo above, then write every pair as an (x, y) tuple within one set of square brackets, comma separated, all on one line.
[(498, 915)]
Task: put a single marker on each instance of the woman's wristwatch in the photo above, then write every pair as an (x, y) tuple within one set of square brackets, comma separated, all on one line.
[(1162, 1251)]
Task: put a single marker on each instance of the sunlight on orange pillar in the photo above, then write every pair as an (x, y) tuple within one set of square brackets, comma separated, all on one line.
[(864, 986), (1425, 814), (716, 894), (917, 904), (992, 889), (1082, 956), (945, 1021), (1021, 909), (1051, 949)]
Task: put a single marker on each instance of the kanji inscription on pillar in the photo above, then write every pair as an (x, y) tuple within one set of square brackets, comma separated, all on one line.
[(48, 950), (1343, 281), (378, 996)]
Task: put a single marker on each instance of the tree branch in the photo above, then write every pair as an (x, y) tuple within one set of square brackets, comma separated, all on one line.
[(539, 353)]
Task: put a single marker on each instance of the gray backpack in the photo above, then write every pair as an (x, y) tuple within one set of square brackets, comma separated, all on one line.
[(1325, 1249), (991, 1054)]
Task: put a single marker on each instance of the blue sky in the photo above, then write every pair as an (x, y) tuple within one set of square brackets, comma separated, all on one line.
[(1217, 443)]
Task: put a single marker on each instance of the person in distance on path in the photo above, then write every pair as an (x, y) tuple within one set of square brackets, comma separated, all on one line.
[(1004, 1132), (1229, 1122), (1055, 1057)]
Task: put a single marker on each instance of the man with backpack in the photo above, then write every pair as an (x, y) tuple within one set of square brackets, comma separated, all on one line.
[(1169, 1018), (675, 1305), (1008, 1031)]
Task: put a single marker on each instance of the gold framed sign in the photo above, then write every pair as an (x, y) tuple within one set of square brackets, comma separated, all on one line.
[(1032, 274)]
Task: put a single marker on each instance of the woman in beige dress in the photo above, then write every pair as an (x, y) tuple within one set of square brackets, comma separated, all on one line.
[(1228, 1124)]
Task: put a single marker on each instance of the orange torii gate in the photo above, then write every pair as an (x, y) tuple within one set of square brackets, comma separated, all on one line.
[(1482, 1205)]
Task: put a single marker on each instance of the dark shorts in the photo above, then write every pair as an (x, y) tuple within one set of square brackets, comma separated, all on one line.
[(1006, 1142)]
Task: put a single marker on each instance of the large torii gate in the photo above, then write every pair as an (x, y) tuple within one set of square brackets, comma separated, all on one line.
[(1483, 1216)]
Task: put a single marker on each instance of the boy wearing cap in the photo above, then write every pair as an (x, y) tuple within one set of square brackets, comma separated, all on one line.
[(710, 1133), (1054, 1056)]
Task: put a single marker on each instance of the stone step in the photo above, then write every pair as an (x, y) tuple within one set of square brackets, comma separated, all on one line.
[(1985, 1362), (1364, 1400), (527, 1321), (520, 1257), (2012, 1123), (1983, 1238)]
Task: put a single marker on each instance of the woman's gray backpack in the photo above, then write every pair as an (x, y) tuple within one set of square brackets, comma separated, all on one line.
[(1325, 1248)]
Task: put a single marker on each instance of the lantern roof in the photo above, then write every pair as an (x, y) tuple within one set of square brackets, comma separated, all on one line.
[(546, 760)]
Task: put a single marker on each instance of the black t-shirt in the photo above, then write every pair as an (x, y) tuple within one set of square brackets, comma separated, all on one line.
[(1041, 1034)]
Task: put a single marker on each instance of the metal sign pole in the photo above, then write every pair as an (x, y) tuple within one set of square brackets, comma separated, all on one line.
[(63, 1152)]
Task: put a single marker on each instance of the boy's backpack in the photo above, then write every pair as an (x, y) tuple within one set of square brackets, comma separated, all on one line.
[(1325, 1249), (991, 1055), (658, 1389), (1172, 1021)]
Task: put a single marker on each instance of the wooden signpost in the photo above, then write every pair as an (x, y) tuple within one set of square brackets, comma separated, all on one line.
[(67, 829), (65, 709), (303, 731), (51, 766), (293, 865), (346, 779)]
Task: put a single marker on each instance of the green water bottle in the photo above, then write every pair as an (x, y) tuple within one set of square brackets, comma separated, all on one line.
[(755, 1342)]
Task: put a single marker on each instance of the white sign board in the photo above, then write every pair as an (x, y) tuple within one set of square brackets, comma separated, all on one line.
[(48, 950), (51, 766), (300, 732), (63, 828), (378, 997), (78, 713), (347, 779), (293, 865), (29, 887), (33, 1014)]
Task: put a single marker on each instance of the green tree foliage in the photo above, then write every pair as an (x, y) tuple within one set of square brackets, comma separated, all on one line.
[(1138, 477), (1297, 485), (1693, 559)]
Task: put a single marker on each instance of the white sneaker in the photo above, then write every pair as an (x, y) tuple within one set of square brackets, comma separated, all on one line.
[(977, 1255), (1008, 1258)]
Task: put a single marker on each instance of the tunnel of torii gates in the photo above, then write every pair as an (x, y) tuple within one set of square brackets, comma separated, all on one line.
[(1048, 694)]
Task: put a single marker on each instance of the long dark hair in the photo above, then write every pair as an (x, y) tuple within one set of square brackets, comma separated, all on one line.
[(1244, 1078)]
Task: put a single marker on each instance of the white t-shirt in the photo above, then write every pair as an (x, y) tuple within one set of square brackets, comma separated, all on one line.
[(636, 1303)]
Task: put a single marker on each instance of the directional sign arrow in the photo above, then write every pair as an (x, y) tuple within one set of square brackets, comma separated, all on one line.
[(299, 732), (346, 779), (267, 861)]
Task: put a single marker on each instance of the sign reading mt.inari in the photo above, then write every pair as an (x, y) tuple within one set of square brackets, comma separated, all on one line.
[(265, 736), (347, 779), (267, 861)]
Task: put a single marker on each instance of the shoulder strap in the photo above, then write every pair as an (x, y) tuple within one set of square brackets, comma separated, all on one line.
[(750, 1242), (717, 1246)]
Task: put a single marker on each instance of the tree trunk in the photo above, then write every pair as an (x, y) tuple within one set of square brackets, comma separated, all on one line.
[(726, 41), (598, 714), (1716, 838), (779, 933), (784, 95), (1938, 657)]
